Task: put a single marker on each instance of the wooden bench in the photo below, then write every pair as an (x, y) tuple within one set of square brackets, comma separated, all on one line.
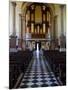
[(57, 61), (18, 63)]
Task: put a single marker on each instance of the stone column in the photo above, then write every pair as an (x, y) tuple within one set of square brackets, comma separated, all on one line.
[(13, 35), (23, 32), (23, 28), (62, 37), (63, 18), (62, 26), (20, 40), (14, 15)]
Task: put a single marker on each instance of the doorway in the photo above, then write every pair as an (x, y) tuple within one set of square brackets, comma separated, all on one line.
[(37, 45)]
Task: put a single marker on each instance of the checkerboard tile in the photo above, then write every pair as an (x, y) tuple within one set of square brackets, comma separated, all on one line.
[(37, 74)]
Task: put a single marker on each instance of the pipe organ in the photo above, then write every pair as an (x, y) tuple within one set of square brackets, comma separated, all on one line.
[(38, 20)]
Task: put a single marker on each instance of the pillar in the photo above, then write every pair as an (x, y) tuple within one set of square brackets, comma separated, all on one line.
[(20, 38), (62, 37), (12, 24)]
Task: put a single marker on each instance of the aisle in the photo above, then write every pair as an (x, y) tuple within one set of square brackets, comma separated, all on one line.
[(38, 73)]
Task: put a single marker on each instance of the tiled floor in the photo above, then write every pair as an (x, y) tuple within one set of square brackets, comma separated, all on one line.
[(38, 74)]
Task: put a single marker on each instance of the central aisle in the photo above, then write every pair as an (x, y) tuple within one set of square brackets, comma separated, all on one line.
[(38, 73)]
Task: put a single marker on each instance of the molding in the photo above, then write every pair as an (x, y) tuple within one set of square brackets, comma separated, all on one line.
[(12, 36)]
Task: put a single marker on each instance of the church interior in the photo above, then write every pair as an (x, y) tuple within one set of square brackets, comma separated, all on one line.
[(37, 44)]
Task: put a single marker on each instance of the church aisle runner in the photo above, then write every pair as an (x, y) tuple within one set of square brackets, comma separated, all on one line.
[(37, 74)]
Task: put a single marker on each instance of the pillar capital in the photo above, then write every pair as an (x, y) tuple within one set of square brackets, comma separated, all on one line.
[(14, 17), (14, 4), (61, 6)]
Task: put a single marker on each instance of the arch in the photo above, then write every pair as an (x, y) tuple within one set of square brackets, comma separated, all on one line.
[(51, 9)]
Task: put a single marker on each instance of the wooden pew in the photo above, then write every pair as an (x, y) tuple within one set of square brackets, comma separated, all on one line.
[(18, 63), (57, 61)]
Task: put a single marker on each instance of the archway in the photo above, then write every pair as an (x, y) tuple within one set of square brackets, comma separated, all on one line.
[(38, 28), (37, 45)]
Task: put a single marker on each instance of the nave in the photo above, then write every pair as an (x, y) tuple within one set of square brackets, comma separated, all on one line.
[(37, 44), (38, 73)]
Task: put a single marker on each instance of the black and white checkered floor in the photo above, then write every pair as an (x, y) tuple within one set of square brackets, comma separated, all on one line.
[(38, 74)]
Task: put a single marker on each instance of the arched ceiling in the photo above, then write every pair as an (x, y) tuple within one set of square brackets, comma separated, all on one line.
[(23, 5)]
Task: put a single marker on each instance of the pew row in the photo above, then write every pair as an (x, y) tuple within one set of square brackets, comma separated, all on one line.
[(57, 62), (18, 63)]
